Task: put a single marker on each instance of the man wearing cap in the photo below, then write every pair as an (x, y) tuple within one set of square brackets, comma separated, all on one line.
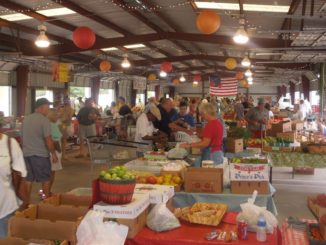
[(86, 117), (37, 146), (257, 119), (145, 131)]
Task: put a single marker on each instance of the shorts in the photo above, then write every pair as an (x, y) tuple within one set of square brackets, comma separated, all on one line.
[(38, 168), (86, 131)]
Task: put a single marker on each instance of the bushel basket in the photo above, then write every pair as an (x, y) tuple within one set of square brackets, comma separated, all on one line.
[(117, 191)]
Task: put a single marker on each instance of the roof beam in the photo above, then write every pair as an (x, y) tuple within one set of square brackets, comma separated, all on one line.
[(293, 7)]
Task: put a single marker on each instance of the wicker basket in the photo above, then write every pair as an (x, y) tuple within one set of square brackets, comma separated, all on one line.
[(117, 191), (317, 149)]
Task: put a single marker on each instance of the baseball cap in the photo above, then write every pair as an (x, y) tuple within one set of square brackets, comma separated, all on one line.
[(42, 101), (261, 101), (155, 111)]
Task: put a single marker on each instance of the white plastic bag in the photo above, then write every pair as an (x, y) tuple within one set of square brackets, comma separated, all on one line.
[(177, 153), (250, 213), (160, 218), (226, 172), (93, 231)]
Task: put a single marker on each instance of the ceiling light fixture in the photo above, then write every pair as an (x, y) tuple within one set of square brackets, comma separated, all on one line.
[(246, 7), (182, 78), (46, 12), (245, 62), (109, 49), (42, 40), (132, 46), (125, 62), (195, 83), (250, 79), (248, 73), (163, 74), (241, 36)]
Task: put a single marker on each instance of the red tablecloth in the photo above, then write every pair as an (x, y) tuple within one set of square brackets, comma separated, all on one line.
[(191, 234)]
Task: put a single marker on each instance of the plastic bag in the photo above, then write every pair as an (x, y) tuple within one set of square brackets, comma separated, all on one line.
[(160, 218), (177, 153), (226, 172), (93, 231), (250, 213)]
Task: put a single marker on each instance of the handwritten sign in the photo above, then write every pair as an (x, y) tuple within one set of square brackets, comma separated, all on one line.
[(249, 172), (139, 84)]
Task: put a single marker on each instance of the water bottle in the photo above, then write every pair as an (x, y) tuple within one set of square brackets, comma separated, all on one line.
[(261, 229)]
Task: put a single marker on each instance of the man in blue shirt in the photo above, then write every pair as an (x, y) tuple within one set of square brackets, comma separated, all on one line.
[(183, 117)]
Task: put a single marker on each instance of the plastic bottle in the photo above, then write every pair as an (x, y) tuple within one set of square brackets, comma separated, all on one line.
[(261, 229)]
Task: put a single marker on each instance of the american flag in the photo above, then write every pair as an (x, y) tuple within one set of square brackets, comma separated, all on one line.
[(223, 87)]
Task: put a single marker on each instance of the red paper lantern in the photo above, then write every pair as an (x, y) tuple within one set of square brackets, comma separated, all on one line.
[(83, 37), (197, 78), (166, 66), (105, 66), (208, 22)]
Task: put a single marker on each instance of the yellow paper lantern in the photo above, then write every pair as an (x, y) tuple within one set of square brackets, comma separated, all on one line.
[(176, 81), (208, 22), (243, 83), (230, 63), (151, 77)]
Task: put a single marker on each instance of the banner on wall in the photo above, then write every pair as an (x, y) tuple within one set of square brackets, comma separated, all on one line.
[(139, 84), (61, 72), (249, 172)]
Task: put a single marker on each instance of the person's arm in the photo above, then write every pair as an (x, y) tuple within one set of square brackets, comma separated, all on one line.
[(205, 142), (48, 139), (175, 127)]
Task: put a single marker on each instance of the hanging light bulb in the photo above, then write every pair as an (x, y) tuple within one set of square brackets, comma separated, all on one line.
[(241, 36), (182, 78), (163, 74), (125, 62), (246, 62), (195, 83), (42, 40), (248, 73), (250, 80)]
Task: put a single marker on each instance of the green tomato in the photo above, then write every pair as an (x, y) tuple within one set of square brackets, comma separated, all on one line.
[(114, 176), (102, 173), (126, 176), (117, 178)]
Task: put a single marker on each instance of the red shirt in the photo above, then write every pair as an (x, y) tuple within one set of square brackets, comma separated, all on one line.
[(214, 131)]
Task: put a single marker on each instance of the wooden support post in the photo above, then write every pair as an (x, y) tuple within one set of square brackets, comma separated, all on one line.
[(322, 90), (22, 85)]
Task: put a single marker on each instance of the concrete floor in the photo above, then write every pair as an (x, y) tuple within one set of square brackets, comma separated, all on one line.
[(290, 197)]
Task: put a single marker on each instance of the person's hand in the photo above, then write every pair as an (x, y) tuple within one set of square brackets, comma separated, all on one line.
[(55, 158)]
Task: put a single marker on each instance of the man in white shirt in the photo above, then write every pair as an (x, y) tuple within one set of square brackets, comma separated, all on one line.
[(145, 131), (9, 202)]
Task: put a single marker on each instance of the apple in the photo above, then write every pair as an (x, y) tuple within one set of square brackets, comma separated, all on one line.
[(151, 180), (107, 176)]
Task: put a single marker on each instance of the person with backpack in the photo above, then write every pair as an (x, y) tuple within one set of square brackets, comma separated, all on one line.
[(12, 169)]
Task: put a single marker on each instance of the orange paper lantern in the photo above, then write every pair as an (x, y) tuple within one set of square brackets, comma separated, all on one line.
[(83, 37), (243, 83), (208, 22), (239, 76), (105, 66), (176, 81), (166, 66), (230, 63), (151, 77)]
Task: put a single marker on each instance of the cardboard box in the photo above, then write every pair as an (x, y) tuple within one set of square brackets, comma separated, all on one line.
[(52, 213), (297, 126), (317, 210), (248, 187), (20, 241), (291, 136), (234, 145), (157, 193), (127, 211), (69, 199), (208, 180), (42, 229), (282, 127), (135, 225)]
